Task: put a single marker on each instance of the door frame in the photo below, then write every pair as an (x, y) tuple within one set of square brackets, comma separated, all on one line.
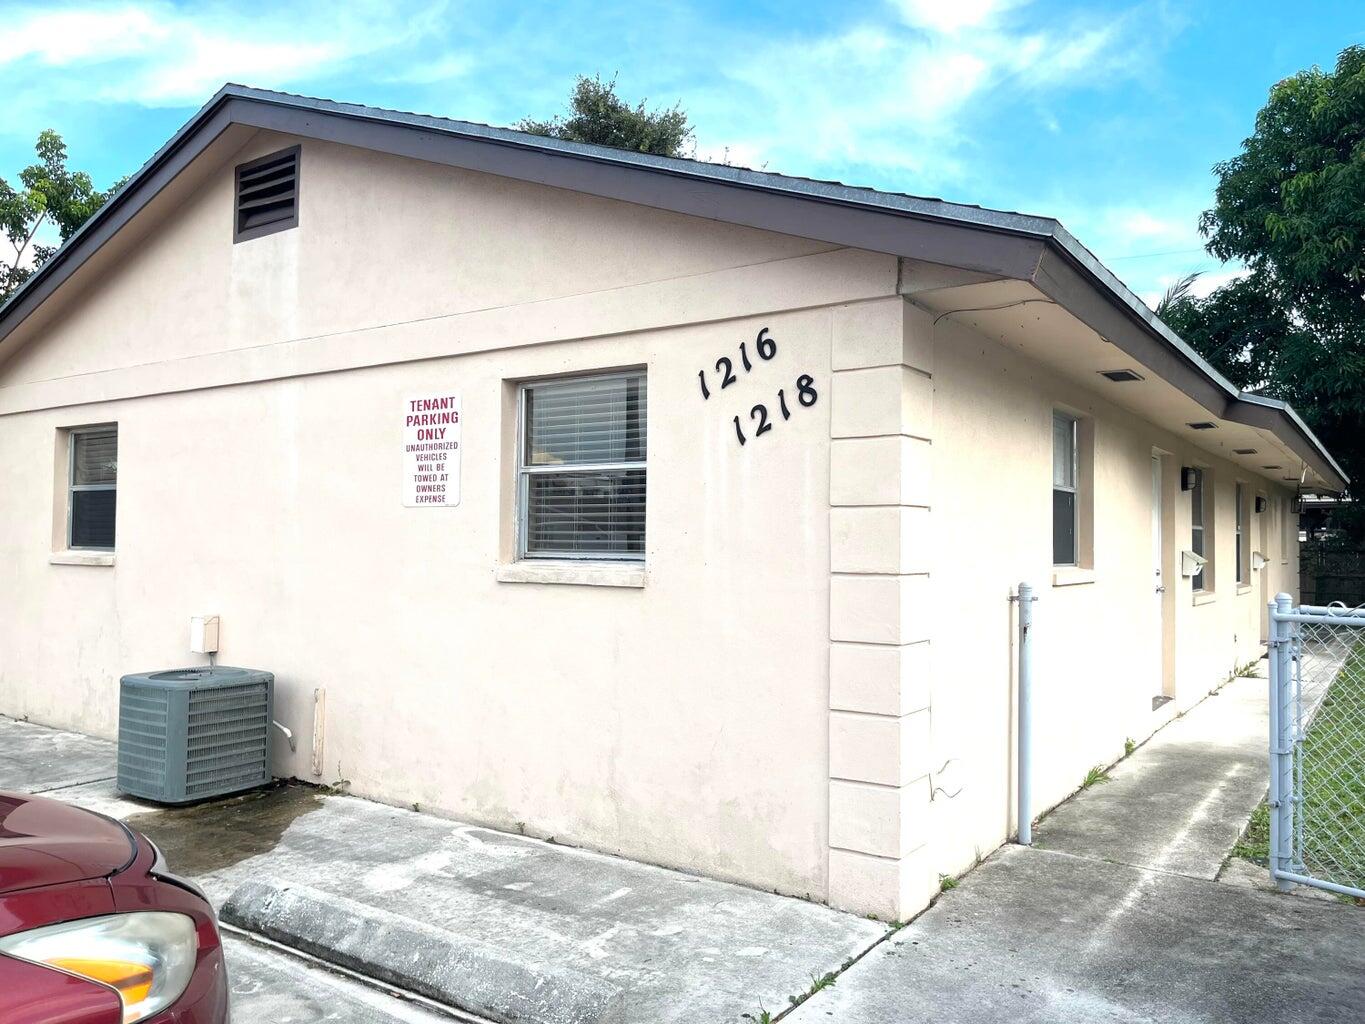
[(1164, 471)]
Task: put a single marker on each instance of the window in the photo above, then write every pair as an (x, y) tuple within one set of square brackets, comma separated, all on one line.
[(267, 195), (1241, 510), (581, 468), (1064, 477), (1197, 524), (92, 488)]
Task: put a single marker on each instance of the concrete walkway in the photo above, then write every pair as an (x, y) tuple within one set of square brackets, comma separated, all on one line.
[(1033, 937), (502, 926), (1180, 802), (1117, 917)]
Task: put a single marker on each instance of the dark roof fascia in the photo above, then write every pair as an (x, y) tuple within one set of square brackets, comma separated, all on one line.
[(1010, 245), (822, 211), (1273, 415), (1078, 282)]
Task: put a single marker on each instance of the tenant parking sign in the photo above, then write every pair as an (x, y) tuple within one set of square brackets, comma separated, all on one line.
[(431, 450)]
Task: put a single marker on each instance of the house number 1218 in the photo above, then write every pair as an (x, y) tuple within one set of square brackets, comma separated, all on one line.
[(805, 394)]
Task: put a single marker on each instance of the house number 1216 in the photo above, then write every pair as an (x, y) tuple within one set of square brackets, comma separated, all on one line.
[(767, 348)]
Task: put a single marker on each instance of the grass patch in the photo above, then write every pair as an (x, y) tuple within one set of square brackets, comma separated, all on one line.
[(1254, 845), (1095, 776), (1333, 806)]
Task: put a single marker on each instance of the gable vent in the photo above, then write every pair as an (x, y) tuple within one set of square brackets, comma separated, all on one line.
[(267, 195), (1121, 376), (1201, 425)]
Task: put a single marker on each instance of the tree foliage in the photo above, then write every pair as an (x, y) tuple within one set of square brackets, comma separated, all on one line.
[(599, 116), (1291, 207), (47, 193)]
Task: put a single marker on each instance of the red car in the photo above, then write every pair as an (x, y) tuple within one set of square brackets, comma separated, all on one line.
[(94, 929)]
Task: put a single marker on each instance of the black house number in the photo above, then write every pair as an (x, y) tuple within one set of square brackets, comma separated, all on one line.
[(765, 345), (806, 395), (767, 348)]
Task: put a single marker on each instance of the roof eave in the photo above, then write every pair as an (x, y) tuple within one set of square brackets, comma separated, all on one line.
[(1010, 245)]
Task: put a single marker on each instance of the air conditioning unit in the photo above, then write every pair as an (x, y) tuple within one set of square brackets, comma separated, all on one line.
[(193, 733)]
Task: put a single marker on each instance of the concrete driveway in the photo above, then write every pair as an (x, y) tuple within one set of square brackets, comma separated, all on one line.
[(268, 984), (500, 926)]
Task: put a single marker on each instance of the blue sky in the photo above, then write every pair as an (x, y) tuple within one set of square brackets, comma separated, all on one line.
[(1108, 116)]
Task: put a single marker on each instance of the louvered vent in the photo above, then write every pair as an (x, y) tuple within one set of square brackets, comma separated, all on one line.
[(267, 195), (190, 734)]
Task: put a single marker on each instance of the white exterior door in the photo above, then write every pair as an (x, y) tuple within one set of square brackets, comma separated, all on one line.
[(1158, 633)]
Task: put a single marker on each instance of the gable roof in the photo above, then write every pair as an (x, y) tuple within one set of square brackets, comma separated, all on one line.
[(1006, 245)]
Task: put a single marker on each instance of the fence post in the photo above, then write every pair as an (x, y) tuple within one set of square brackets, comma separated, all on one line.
[(1025, 811), (1281, 743)]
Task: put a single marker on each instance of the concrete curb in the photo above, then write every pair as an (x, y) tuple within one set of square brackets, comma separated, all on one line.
[(442, 965)]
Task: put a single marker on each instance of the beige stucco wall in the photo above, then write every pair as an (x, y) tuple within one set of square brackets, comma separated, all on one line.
[(1097, 664), (260, 457), (824, 624)]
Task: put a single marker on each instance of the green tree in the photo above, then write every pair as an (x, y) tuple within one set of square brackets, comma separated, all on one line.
[(48, 193), (598, 116), (1291, 207)]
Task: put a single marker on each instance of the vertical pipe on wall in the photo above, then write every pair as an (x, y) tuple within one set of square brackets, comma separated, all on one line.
[(1025, 812), (1281, 746)]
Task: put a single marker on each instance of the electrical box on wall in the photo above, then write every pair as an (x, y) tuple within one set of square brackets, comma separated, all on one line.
[(204, 634)]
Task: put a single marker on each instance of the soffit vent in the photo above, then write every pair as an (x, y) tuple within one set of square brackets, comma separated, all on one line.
[(1121, 376), (267, 195), (1270, 467), (1244, 451), (1202, 425)]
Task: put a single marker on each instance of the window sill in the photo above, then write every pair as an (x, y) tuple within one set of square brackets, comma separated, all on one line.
[(1204, 597), (1244, 588), (582, 574), (81, 558), (1071, 576)]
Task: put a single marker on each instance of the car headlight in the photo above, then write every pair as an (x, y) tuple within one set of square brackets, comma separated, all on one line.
[(146, 957)]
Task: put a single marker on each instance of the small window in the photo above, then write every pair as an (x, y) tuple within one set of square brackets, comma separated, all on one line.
[(267, 197), (581, 468), (1064, 477), (1241, 501), (92, 489), (1197, 524)]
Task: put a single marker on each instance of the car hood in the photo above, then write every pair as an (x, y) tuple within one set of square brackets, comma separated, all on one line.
[(44, 842)]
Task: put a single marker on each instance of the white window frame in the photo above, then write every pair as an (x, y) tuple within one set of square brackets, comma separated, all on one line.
[(1074, 490), (72, 487), (525, 472), (1240, 531), (1200, 579)]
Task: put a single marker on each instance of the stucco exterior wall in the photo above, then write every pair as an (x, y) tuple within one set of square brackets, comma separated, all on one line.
[(1097, 641), (259, 391)]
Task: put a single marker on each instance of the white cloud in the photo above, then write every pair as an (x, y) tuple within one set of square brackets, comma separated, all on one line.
[(157, 54), (76, 35), (1204, 285), (905, 97), (950, 16), (443, 69)]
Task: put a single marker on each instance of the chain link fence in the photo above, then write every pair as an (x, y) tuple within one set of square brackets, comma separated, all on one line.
[(1317, 792)]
